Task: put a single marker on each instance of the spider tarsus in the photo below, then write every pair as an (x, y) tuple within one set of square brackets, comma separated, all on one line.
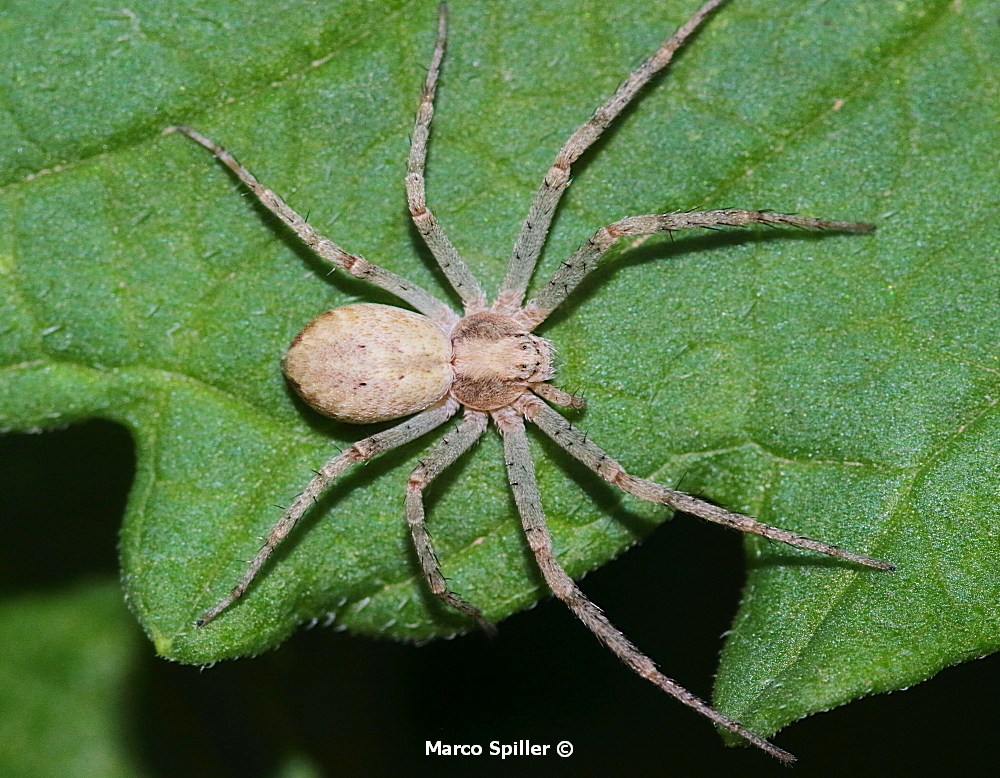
[(875, 564), (211, 614), (862, 228), (488, 627)]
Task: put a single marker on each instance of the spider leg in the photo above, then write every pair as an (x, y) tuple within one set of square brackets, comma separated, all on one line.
[(364, 449), (580, 446), (521, 474), (455, 269), (588, 256), (530, 240), (444, 453), (357, 266)]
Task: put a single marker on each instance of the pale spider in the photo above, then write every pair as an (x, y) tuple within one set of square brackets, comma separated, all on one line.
[(366, 363)]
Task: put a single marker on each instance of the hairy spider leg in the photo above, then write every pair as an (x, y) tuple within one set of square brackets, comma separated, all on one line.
[(578, 445), (531, 238), (432, 464), (411, 429), (521, 474), (456, 271), (588, 256), (357, 266)]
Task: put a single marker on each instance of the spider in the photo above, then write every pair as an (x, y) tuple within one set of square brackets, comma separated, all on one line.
[(365, 363)]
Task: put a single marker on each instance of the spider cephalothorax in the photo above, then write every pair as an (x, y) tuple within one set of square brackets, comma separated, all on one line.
[(495, 360), (366, 363)]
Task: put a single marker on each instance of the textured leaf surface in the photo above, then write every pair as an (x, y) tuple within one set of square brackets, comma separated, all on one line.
[(845, 387)]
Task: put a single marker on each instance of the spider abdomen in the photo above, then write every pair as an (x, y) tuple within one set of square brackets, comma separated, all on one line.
[(366, 362)]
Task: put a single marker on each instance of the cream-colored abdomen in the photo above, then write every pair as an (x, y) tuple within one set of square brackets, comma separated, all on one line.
[(365, 363)]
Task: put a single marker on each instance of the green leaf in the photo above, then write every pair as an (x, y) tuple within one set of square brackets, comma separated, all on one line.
[(841, 386), (62, 683)]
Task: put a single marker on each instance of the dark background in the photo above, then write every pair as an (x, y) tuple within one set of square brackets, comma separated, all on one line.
[(358, 706)]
